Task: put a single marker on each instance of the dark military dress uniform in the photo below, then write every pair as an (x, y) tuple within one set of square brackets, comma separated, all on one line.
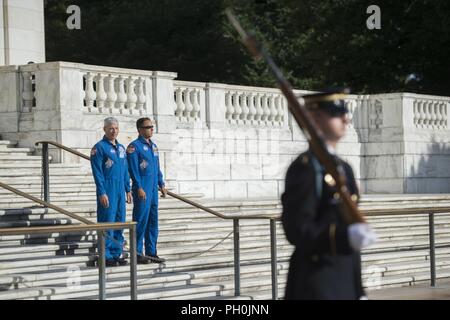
[(323, 265)]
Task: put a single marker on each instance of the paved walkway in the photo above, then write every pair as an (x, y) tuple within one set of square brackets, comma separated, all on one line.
[(416, 292)]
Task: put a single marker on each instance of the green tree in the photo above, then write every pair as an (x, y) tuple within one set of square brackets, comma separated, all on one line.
[(316, 43)]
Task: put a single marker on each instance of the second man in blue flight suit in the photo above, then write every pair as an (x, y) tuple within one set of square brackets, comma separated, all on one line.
[(143, 163)]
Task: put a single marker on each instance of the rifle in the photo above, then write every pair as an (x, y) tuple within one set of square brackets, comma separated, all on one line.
[(296, 106)]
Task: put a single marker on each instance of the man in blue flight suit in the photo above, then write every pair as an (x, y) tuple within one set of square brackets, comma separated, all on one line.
[(143, 163), (110, 169)]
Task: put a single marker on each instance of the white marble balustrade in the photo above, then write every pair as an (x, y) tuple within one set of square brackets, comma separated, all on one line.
[(256, 108), (397, 142), (430, 113), (189, 101), (115, 93)]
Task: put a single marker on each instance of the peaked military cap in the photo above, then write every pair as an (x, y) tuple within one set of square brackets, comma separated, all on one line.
[(330, 100)]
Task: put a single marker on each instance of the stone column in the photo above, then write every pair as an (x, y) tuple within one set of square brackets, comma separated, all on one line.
[(215, 105), (58, 114), (163, 101), (22, 32)]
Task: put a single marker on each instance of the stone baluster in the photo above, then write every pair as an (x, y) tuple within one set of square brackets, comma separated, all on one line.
[(141, 98), (416, 113), (434, 114), (237, 107), (272, 112), (101, 93), (229, 107), (179, 104), (420, 108), (89, 92), (440, 115), (259, 109), (437, 115), (244, 106), (132, 98), (252, 109), (428, 112), (121, 95), (444, 113), (27, 94), (195, 98), (442, 107), (188, 105), (425, 114), (111, 96), (283, 110), (278, 108), (266, 110)]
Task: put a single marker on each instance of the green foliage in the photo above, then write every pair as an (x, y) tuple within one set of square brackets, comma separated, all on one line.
[(316, 43)]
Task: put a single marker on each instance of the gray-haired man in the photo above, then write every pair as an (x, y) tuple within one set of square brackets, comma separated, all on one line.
[(110, 170)]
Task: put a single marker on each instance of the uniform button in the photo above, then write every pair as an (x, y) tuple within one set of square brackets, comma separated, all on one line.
[(305, 159), (336, 196), (354, 197), (329, 180)]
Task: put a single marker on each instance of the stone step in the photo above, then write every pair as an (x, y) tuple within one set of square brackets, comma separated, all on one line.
[(59, 195), (179, 292), (35, 251), (34, 223), (14, 151), (393, 256), (35, 165), (51, 238), (55, 181), (89, 289), (57, 192), (45, 263), (405, 244), (10, 159), (8, 143), (253, 285), (407, 280), (87, 277), (36, 171)]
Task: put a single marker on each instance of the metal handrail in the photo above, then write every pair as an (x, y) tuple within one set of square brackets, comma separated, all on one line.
[(45, 203), (404, 211), (101, 246), (56, 144)]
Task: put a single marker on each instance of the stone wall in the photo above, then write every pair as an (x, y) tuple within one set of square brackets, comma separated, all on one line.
[(224, 141)]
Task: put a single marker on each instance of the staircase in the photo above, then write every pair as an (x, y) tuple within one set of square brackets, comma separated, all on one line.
[(198, 246)]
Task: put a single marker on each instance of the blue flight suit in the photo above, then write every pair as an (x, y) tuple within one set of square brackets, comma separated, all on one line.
[(143, 164), (110, 169)]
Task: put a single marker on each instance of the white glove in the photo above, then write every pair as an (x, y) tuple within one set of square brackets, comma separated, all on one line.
[(360, 235)]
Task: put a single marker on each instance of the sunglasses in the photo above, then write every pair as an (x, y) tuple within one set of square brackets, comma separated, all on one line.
[(336, 113), (147, 127)]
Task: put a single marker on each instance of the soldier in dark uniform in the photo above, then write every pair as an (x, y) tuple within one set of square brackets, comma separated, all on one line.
[(326, 263)]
